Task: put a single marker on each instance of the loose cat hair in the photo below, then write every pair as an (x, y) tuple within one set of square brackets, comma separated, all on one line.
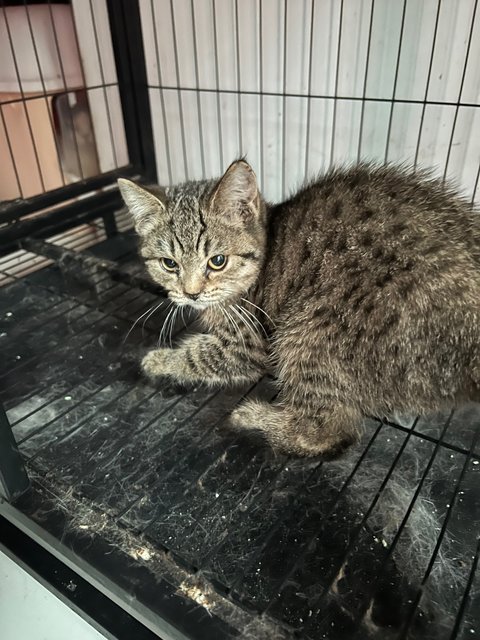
[(360, 293)]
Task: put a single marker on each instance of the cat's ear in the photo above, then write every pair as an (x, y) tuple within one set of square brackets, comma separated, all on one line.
[(236, 194), (145, 207)]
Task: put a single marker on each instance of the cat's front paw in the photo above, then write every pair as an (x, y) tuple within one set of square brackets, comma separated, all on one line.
[(156, 363)]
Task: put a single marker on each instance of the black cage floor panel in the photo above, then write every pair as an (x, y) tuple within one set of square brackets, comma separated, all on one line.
[(213, 533)]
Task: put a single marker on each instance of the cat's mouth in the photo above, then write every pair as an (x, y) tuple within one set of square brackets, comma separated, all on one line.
[(200, 304)]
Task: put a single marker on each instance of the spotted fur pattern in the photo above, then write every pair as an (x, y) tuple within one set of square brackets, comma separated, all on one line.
[(361, 294)]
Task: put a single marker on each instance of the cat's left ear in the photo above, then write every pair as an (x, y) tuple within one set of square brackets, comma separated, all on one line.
[(146, 208), (236, 194)]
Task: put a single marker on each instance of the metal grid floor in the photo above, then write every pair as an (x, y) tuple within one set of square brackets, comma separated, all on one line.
[(145, 482)]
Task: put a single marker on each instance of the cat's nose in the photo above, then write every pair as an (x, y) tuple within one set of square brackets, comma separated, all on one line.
[(193, 296)]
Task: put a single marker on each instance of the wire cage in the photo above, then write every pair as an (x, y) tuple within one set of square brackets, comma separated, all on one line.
[(165, 524), (299, 86)]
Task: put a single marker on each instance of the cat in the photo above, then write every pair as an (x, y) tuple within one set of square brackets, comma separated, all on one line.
[(361, 294)]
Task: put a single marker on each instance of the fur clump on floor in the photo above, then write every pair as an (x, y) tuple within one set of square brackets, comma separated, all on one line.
[(414, 569)]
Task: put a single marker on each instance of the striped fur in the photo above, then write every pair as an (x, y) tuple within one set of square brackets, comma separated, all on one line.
[(361, 294)]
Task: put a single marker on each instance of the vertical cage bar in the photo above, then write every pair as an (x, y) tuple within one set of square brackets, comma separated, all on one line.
[(10, 151), (309, 89), (102, 76), (22, 93), (260, 97), (44, 89), (335, 98), (13, 477), (397, 67), (475, 185), (127, 42), (365, 79), (162, 95), (427, 86), (217, 86), (197, 82), (464, 72), (284, 97), (179, 92), (64, 82), (239, 85)]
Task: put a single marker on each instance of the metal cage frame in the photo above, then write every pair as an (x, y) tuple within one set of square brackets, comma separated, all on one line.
[(28, 224), (22, 230), (126, 33)]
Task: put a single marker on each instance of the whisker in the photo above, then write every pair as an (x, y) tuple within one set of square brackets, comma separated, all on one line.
[(172, 324), (259, 308), (237, 329), (182, 308), (231, 322), (139, 318), (151, 314), (222, 309), (254, 319), (160, 336), (246, 322), (220, 306)]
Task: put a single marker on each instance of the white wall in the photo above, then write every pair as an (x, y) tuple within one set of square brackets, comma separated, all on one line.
[(286, 138), (29, 612)]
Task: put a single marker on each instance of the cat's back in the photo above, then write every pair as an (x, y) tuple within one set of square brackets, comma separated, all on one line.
[(377, 226), (389, 200)]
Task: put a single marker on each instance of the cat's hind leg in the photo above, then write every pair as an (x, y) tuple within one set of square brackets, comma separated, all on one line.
[(312, 414), (289, 429)]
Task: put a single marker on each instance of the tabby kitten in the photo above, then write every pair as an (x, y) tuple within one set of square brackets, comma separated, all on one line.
[(361, 293)]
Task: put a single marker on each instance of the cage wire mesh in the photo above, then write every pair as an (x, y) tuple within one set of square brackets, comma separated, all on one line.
[(60, 112), (61, 119), (301, 85), (297, 86)]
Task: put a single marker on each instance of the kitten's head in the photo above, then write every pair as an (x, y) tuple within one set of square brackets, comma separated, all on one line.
[(204, 242)]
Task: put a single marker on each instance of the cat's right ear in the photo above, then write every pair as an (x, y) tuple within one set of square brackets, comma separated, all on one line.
[(236, 194), (145, 208)]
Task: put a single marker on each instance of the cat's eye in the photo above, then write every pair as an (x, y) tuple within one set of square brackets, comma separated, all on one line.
[(168, 264), (217, 262)]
